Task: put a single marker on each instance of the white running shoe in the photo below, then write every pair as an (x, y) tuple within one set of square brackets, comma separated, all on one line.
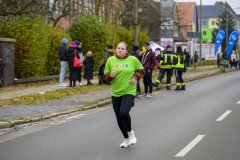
[(125, 143), (80, 84), (63, 85), (132, 138), (149, 95), (142, 95)]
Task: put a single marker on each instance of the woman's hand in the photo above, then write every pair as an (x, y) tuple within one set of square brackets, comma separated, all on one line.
[(113, 74), (133, 81)]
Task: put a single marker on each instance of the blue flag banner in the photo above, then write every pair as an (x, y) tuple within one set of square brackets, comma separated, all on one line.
[(219, 38), (231, 41)]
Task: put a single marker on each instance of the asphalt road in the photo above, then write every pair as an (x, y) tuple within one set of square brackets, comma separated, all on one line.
[(201, 123)]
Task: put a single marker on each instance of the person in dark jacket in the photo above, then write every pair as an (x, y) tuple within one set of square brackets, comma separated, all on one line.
[(81, 55), (218, 59), (88, 72), (148, 60), (224, 55), (63, 61), (135, 54), (188, 57), (74, 72), (108, 53)]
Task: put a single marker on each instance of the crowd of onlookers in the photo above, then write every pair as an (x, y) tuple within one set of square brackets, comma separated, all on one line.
[(233, 59), (67, 56)]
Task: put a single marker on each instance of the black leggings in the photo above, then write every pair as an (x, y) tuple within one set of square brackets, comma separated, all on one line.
[(122, 106)]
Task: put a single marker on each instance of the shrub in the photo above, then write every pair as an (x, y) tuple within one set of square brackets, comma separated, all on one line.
[(127, 35), (93, 36), (36, 47)]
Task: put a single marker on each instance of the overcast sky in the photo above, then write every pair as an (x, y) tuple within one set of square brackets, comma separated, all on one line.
[(233, 3)]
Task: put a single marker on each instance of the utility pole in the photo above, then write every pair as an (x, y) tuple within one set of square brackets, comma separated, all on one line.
[(135, 23), (160, 29), (226, 25), (201, 32), (188, 25)]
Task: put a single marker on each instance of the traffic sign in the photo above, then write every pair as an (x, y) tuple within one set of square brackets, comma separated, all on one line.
[(194, 34)]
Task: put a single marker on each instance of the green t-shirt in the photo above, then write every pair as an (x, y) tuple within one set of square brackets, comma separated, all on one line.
[(125, 69)]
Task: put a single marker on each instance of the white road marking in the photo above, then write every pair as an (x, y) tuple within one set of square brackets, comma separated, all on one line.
[(238, 102), (190, 146), (224, 115), (77, 116)]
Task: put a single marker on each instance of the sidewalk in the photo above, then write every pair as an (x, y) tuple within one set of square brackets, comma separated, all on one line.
[(8, 112), (32, 90)]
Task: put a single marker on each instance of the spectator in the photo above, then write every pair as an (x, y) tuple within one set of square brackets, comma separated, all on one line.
[(135, 54), (88, 72), (108, 53), (148, 60), (195, 59), (218, 59), (233, 59), (237, 57), (158, 57), (185, 52), (63, 61), (224, 55), (81, 55), (188, 57), (74, 72)]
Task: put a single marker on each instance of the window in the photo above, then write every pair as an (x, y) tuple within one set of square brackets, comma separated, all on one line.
[(204, 33), (204, 42), (204, 22), (62, 28), (213, 23)]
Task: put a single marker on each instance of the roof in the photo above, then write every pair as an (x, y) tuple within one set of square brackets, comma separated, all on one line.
[(184, 20), (210, 11)]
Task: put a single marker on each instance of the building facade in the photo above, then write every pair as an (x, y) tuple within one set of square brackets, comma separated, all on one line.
[(210, 17)]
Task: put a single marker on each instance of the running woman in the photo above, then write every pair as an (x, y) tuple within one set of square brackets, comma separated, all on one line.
[(123, 71)]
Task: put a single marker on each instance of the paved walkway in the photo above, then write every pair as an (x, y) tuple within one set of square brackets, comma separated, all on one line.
[(77, 101), (32, 90)]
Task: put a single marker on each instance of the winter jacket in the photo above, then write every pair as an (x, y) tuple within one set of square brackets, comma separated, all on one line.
[(81, 54), (108, 53), (135, 54), (88, 72), (224, 55), (62, 52), (74, 72), (166, 59), (148, 60), (233, 57), (188, 57)]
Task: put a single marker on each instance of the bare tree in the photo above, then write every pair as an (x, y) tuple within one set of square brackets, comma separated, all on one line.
[(16, 7)]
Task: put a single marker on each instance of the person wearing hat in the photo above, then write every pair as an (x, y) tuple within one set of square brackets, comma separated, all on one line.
[(166, 61), (158, 55), (148, 61), (81, 55), (135, 54), (63, 61)]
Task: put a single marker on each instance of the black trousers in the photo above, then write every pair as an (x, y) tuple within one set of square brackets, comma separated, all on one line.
[(147, 81), (218, 62), (122, 106), (80, 74), (169, 74), (187, 63), (179, 79)]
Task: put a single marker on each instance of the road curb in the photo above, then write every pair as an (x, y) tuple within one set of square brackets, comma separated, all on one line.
[(5, 124), (8, 124)]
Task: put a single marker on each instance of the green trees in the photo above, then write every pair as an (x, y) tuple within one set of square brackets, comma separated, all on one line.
[(36, 47), (93, 36), (223, 24)]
